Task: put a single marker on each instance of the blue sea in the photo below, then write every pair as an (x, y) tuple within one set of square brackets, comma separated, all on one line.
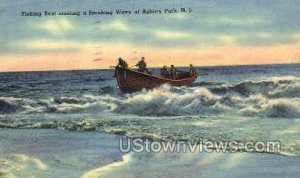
[(234, 103)]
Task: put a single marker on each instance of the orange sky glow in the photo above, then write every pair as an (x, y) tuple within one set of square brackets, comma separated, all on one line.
[(155, 57)]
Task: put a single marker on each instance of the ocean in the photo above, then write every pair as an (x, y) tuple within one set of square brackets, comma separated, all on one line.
[(232, 103)]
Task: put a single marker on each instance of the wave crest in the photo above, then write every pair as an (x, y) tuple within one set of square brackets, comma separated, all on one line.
[(163, 101), (277, 97)]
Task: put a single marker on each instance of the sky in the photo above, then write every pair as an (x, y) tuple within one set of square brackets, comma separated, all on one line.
[(209, 33)]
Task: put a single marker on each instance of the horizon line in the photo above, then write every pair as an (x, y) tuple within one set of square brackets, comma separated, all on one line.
[(152, 67)]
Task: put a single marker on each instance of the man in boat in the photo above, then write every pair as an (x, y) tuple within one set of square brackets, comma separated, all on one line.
[(164, 71), (142, 65), (192, 70), (122, 63), (173, 72)]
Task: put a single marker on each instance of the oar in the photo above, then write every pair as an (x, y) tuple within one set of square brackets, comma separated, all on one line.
[(112, 67)]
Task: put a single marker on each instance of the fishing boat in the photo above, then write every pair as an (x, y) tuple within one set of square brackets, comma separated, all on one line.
[(130, 80)]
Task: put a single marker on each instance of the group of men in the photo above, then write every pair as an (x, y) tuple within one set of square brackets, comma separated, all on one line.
[(172, 73), (142, 67)]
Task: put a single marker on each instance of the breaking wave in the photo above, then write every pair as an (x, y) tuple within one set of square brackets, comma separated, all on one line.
[(185, 113), (165, 101), (281, 108), (272, 87), (218, 107), (278, 97)]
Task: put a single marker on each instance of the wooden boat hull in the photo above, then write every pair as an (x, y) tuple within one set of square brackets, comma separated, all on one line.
[(131, 81)]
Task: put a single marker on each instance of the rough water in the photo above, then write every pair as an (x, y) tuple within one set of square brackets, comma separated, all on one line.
[(258, 103)]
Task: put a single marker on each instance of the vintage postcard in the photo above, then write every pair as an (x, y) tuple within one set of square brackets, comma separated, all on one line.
[(149, 89)]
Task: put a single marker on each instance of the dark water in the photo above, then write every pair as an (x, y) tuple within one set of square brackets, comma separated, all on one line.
[(231, 103)]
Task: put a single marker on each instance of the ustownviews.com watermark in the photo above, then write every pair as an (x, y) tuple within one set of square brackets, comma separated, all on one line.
[(146, 145)]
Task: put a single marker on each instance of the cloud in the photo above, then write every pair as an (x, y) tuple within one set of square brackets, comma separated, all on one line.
[(179, 16), (53, 46), (57, 26), (28, 47), (264, 35), (240, 21), (297, 36), (233, 21), (118, 25), (49, 44), (97, 59), (168, 34), (215, 24), (227, 40), (266, 39)]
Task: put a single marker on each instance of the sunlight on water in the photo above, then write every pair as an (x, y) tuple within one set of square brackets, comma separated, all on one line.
[(22, 165), (100, 171), (233, 161), (210, 159)]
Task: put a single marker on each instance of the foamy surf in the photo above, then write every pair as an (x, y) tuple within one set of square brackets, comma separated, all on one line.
[(227, 107), (274, 98)]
